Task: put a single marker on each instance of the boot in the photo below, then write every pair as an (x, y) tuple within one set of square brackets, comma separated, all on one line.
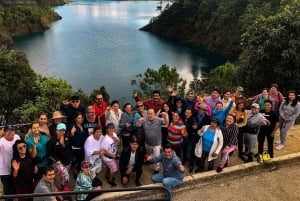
[(250, 157)]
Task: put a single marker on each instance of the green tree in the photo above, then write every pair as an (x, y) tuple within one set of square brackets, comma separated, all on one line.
[(17, 82), (159, 80), (50, 93), (271, 51)]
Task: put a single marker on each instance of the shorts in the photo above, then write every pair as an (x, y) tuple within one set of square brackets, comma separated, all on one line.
[(112, 165)]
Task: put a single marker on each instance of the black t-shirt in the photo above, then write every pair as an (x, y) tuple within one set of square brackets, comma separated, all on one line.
[(272, 117)]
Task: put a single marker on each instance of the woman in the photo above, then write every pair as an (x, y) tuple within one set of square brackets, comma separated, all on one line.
[(230, 132), (126, 125), (57, 118), (139, 131), (113, 115), (23, 169), (43, 123), (37, 147), (260, 99), (164, 128), (220, 112), (241, 120), (84, 181), (110, 144), (176, 133), (60, 152), (78, 136), (276, 96), (201, 101), (289, 111), (93, 151), (209, 145)]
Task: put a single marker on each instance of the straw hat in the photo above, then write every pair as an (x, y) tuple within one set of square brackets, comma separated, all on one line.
[(57, 115)]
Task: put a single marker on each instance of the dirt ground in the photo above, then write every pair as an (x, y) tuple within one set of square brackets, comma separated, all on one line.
[(281, 184)]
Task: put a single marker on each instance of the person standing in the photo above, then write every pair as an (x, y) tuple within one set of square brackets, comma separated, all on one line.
[(110, 146), (213, 99), (23, 169), (113, 115), (289, 111), (126, 124), (173, 170), (6, 154), (90, 120), (70, 108), (155, 102), (254, 122), (268, 131), (100, 107), (152, 127), (230, 131)]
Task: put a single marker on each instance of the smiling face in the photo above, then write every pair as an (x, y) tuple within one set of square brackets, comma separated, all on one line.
[(49, 177), (79, 119), (42, 119), (168, 153), (35, 128), (292, 96)]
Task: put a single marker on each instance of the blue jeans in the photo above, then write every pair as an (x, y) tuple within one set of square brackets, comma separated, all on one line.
[(168, 182)]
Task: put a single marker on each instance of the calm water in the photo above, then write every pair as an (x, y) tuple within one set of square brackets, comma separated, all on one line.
[(98, 43)]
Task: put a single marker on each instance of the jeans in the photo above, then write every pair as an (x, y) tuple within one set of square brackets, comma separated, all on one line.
[(8, 187), (168, 182), (202, 162), (190, 147), (155, 151)]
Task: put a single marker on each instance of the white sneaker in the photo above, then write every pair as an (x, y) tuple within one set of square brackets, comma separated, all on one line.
[(277, 142), (280, 146)]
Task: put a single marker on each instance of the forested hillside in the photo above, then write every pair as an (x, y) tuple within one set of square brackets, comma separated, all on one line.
[(18, 18), (217, 24)]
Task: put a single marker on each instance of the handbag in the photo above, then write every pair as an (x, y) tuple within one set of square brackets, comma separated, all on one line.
[(198, 148), (263, 157)]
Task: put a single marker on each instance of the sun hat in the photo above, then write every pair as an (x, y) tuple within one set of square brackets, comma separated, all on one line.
[(57, 115)]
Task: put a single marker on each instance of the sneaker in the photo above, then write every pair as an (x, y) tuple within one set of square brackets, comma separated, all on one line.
[(112, 183), (280, 146), (277, 142), (219, 169), (138, 183)]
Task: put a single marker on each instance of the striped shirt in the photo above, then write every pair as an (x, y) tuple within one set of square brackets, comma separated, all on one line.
[(175, 132), (230, 135)]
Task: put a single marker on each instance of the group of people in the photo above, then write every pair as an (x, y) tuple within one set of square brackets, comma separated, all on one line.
[(180, 130)]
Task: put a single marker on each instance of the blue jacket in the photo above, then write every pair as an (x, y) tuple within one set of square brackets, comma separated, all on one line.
[(221, 114)]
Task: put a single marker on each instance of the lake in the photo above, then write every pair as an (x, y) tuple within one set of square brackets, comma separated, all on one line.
[(99, 43)]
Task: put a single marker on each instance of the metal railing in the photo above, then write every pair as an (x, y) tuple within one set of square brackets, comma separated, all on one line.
[(166, 193)]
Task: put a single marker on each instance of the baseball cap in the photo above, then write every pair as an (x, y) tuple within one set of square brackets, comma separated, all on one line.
[(9, 127), (134, 140), (75, 98), (61, 126), (86, 164), (255, 105), (240, 89)]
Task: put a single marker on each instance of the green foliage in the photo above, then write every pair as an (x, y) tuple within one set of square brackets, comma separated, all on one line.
[(17, 82), (271, 51), (222, 78), (50, 92), (159, 80), (218, 24)]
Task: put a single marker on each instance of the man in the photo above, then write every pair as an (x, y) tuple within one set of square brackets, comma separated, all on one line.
[(213, 99), (172, 168), (238, 95), (100, 107), (254, 122), (131, 160), (153, 136), (47, 185), (155, 102), (189, 101), (268, 131), (227, 99), (6, 154), (70, 108), (91, 120)]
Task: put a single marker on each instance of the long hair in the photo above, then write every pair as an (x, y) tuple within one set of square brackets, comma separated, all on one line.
[(295, 101), (16, 155)]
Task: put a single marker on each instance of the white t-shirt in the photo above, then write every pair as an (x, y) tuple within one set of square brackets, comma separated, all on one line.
[(6, 154), (109, 145), (91, 145)]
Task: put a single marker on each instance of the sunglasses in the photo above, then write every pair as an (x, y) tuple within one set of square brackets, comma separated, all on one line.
[(99, 99), (75, 101), (22, 147)]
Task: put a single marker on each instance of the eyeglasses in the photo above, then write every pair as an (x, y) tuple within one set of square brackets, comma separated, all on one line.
[(99, 99), (22, 147), (75, 101), (140, 106)]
